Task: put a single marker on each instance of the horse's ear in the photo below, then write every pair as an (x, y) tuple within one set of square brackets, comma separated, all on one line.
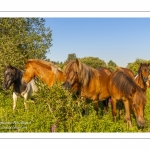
[(77, 61)]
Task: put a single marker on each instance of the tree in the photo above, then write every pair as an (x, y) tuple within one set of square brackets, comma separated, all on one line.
[(94, 62), (71, 57), (22, 38), (111, 65)]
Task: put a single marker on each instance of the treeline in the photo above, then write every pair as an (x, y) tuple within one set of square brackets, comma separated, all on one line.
[(96, 62)]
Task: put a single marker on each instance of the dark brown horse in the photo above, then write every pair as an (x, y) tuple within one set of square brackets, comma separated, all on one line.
[(44, 70), (91, 82), (142, 76), (122, 87)]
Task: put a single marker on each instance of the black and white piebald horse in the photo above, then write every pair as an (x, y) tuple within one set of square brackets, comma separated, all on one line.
[(13, 76)]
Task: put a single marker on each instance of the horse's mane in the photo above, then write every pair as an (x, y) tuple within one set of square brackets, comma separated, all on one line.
[(124, 83), (85, 73), (18, 72), (45, 63), (12, 68)]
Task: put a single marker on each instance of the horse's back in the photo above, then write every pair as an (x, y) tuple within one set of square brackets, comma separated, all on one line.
[(106, 70), (103, 77), (128, 72), (120, 84)]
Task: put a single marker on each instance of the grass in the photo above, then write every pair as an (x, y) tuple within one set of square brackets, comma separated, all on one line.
[(54, 106)]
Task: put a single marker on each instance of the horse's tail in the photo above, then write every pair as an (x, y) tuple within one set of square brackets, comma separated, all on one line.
[(33, 85)]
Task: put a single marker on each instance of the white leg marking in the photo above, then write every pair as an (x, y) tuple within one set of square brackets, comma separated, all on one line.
[(14, 100)]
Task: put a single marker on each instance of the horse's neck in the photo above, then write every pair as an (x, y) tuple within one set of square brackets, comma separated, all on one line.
[(18, 87), (49, 78)]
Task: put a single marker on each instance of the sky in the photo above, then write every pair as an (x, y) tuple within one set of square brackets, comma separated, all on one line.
[(121, 40)]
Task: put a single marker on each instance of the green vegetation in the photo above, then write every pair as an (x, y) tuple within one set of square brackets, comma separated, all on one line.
[(23, 38), (55, 106)]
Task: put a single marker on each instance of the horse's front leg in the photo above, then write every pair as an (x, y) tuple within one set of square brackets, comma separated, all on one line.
[(105, 104), (120, 107), (114, 110), (96, 106), (14, 100), (127, 112), (25, 101)]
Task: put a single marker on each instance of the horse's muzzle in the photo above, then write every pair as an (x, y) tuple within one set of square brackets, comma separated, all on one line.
[(145, 79), (66, 85), (4, 87), (141, 123)]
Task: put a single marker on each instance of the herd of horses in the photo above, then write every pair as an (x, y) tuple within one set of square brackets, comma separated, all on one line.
[(95, 84)]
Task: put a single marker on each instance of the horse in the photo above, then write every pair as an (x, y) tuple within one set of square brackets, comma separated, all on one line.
[(12, 76), (44, 70), (123, 87), (142, 76), (91, 82)]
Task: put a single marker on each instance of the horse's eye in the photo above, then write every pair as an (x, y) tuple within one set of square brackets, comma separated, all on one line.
[(75, 72)]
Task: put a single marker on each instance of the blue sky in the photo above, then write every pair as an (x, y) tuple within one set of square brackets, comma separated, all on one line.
[(121, 40)]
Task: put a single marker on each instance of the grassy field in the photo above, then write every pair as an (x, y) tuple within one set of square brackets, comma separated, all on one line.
[(54, 110)]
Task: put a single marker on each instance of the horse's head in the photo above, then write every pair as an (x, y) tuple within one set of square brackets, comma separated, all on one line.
[(144, 70), (71, 74), (28, 73), (9, 77), (138, 104)]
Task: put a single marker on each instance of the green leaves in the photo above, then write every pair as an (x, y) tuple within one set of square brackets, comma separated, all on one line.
[(94, 62), (22, 38)]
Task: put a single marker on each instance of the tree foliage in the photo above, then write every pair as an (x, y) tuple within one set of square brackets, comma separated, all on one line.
[(94, 62), (111, 65), (71, 57), (22, 38)]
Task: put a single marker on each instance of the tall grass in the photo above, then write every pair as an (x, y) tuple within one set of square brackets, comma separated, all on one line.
[(54, 110)]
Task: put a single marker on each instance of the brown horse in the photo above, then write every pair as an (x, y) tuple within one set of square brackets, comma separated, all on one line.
[(91, 82), (142, 77), (45, 71), (122, 87)]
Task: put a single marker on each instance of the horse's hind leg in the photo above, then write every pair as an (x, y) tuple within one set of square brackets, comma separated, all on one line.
[(120, 107), (14, 101)]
